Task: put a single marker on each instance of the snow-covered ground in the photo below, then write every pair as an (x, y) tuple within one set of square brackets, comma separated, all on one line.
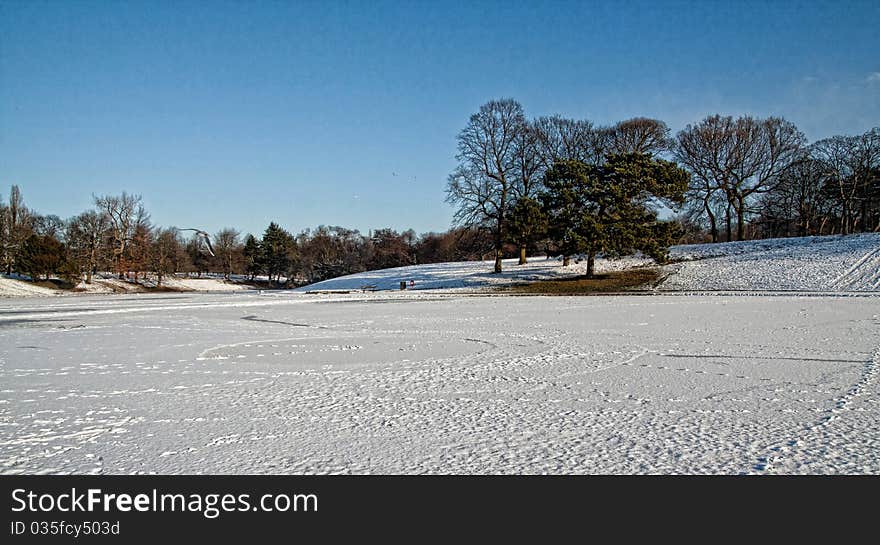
[(829, 263), (14, 287), (824, 264), (106, 284), (439, 383), (464, 274)]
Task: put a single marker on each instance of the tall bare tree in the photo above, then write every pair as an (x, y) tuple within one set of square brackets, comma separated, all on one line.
[(4, 235), (865, 168), (639, 135), (528, 172), (85, 238), (741, 158), (481, 186), (124, 213), (228, 250), (163, 252), (701, 149), (763, 150)]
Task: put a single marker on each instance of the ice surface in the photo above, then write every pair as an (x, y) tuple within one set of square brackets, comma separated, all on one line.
[(429, 382)]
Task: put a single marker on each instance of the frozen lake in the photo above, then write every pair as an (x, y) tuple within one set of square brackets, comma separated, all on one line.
[(439, 383)]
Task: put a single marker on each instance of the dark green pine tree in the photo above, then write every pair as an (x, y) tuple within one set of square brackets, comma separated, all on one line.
[(564, 201), (277, 248), (612, 208), (528, 223), (251, 252)]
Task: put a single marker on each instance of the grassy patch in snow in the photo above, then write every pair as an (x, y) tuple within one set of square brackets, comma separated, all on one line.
[(612, 282), (53, 284)]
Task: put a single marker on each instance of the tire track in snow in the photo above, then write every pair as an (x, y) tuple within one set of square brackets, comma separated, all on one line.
[(871, 369), (865, 271)]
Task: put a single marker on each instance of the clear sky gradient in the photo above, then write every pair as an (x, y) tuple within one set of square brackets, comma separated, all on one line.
[(346, 113)]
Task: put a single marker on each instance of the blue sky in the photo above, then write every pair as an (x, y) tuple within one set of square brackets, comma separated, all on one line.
[(346, 113)]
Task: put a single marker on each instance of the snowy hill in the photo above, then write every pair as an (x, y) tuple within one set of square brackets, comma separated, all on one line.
[(13, 287), (464, 274), (828, 263)]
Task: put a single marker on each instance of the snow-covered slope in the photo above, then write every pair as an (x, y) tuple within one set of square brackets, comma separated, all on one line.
[(11, 287), (829, 263), (466, 274)]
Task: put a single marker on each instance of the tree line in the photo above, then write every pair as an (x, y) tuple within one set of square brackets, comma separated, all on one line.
[(588, 189), (117, 236), (549, 185)]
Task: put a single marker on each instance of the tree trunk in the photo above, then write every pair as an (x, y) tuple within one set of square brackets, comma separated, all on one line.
[(729, 226), (591, 262), (713, 224), (522, 255), (740, 219), (566, 260), (498, 260), (89, 269)]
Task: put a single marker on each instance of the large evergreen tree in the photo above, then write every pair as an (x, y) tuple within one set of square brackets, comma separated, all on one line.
[(528, 222), (251, 254), (611, 208), (277, 251)]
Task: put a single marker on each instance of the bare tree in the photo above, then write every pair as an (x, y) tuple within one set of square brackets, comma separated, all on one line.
[(763, 151), (137, 255), (865, 167), (701, 149), (639, 135), (801, 191), (85, 237), (741, 158), (528, 170), (228, 250), (4, 232), (482, 184), (162, 257), (562, 139), (124, 213)]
